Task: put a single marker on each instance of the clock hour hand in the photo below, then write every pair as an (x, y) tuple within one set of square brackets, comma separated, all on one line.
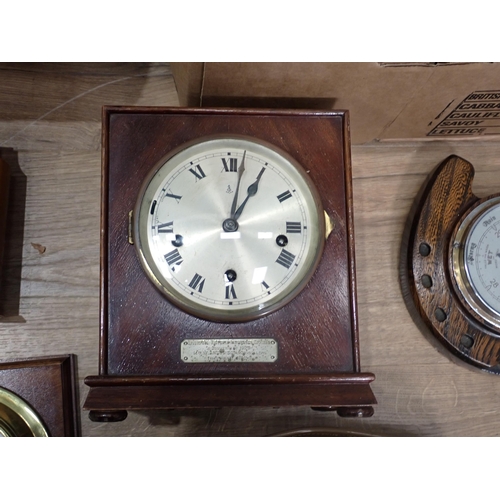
[(241, 169), (251, 191)]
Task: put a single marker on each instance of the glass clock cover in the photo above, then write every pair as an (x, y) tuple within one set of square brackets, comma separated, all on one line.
[(229, 228)]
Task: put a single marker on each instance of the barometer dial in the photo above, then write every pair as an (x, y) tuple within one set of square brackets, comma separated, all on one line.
[(476, 260)]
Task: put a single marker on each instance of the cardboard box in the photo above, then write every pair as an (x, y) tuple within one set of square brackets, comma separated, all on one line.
[(386, 101)]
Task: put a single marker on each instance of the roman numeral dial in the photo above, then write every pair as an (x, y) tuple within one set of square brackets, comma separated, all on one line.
[(284, 196), (166, 227), (229, 164), (173, 196), (197, 283), (230, 231), (230, 292), (173, 259), (293, 227), (285, 258), (197, 171)]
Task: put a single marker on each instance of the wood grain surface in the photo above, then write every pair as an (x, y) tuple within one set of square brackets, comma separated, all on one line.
[(140, 317), (50, 126), (47, 385), (4, 201)]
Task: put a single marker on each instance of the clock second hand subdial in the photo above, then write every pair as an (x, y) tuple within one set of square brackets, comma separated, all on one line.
[(241, 169), (251, 191)]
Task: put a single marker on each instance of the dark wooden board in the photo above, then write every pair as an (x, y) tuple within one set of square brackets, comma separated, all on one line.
[(4, 202), (48, 386)]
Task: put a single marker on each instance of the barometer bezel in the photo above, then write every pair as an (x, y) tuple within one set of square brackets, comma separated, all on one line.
[(460, 268)]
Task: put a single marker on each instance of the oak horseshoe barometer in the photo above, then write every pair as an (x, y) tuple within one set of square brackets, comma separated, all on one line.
[(453, 265)]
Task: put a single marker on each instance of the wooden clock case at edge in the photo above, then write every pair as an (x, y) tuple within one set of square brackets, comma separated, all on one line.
[(140, 331), (48, 385), (429, 287), (4, 201)]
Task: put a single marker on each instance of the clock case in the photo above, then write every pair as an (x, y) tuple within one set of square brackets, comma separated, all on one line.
[(4, 200), (429, 286), (140, 367), (48, 385)]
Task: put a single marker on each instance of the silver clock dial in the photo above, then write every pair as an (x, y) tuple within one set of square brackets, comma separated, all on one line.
[(478, 269), (229, 229)]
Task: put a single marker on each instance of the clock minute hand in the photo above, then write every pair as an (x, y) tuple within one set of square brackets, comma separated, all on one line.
[(241, 169), (251, 191)]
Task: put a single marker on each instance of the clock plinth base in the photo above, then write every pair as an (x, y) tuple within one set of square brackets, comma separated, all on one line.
[(348, 394)]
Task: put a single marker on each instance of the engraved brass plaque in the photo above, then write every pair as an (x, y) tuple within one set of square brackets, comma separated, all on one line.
[(229, 350)]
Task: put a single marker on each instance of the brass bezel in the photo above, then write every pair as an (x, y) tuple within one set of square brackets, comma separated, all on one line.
[(319, 227), (18, 418), (459, 267)]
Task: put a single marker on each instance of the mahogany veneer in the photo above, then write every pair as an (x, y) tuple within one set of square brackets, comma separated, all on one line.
[(141, 332)]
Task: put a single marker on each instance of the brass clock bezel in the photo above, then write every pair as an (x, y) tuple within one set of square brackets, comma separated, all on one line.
[(318, 228), (18, 418)]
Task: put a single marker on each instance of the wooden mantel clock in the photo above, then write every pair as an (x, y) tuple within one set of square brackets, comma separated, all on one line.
[(452, 260), (228, 274)]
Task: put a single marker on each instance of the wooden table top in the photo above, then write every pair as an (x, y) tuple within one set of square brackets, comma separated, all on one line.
[(50, 132)]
